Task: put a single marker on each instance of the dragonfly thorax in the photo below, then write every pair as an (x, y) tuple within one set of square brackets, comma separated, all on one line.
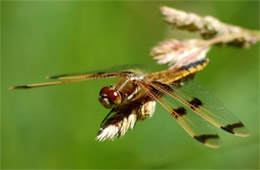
[(109, 97)]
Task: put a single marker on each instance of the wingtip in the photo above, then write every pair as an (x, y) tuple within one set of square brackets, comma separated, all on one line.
[(214, 146), (243, 132), (51, 77), (209, 140), (11, 88), (19, 87), (48, 77), (237, 129)]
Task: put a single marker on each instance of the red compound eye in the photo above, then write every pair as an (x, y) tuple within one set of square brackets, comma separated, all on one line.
[(113, 95), (105, 90), (109, 97)]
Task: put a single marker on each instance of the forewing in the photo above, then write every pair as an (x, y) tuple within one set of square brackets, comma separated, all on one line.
[(118, 71), (193, 124), (203, 103), (28, 86)]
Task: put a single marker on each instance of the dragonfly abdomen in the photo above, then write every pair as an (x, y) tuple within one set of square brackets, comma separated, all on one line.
[(172, 76)]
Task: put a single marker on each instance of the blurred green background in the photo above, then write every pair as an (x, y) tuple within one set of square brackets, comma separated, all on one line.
[(55, 127)]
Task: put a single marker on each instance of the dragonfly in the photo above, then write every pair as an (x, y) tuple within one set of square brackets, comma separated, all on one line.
[(134, 96)]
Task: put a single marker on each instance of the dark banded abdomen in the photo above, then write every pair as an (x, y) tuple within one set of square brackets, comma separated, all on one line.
[(177, 75)]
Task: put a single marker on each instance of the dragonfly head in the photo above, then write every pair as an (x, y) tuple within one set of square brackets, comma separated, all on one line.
[(109, 97)]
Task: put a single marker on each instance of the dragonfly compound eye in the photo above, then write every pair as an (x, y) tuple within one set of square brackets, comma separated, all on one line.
[(109, 97)]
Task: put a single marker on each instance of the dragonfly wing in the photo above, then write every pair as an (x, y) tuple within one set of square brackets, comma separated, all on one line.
[(203, 103), (193, 124), (118, 71), (28, 86)]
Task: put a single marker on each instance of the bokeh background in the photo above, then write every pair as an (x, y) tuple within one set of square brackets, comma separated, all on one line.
[(55, 127)]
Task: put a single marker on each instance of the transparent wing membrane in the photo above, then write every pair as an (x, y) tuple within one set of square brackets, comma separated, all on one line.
[(213, 109), (203, 103), (124, 70), (28, 86), (193, 124), (114, 72)]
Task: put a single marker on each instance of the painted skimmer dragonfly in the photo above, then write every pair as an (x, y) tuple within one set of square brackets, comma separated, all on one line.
[(134, 96)]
